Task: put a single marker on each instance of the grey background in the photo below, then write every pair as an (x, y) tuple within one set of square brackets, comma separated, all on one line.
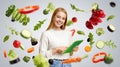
[(80, 25)]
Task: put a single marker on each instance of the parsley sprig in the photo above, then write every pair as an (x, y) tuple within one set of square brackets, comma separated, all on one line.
[(38, 25), (90, 36)]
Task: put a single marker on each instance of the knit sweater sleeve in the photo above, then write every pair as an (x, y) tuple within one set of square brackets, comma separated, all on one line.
[(43, 49)]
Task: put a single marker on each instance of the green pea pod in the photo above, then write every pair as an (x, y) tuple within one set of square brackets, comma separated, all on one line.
[(74, 44), (80, 32)]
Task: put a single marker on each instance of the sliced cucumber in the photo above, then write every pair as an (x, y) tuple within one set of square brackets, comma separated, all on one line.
[(100, 44), (14, 15), (10, 10), (22, 17), (26, 34), (18, 16)]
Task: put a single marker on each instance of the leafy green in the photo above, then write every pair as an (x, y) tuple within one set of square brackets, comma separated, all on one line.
[(80, 32), (69, 22), (110, 44), (12, 55), (13, 31), (6, 38), (110, 17), (37, 26), (51, 7), (91, 39), (99, 31), (74, 44), (75, 8), (40, 61)]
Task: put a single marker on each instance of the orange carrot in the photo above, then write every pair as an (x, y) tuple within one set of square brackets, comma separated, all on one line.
[(87, 48), (5, 53), (31, 49), (71, 60), (77, 59)]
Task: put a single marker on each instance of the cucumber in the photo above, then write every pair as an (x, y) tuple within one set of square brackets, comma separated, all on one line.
[(10, 10), (100, 44), (26, 20), (18, 16), (26, 34), (22, 17), (14, 15)]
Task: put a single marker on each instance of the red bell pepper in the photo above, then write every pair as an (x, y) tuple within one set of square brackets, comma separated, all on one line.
[(28, 9), (95, 60)]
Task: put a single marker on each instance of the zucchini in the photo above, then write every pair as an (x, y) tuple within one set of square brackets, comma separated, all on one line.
[(14, 15), (26, 34), (100, 44)]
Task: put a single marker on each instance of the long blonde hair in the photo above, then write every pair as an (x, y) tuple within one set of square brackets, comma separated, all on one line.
[(55, 12)]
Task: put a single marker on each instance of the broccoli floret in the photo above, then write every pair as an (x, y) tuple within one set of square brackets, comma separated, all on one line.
[(108, 59)]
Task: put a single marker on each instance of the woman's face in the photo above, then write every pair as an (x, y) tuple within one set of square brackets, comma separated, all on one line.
[(59, 19)]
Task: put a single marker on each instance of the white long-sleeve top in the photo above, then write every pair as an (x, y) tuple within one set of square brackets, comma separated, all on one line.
[(51, 39)]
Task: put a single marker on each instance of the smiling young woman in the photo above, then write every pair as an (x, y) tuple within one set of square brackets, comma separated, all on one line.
[(55, 40)]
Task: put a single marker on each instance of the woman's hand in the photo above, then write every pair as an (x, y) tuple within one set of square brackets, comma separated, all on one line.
[(59, 50), (74, 50)]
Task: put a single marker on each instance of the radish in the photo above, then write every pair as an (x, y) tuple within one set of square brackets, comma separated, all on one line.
[(74, 19)]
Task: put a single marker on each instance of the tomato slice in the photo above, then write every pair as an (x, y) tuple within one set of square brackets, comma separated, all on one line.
[(29, 9)]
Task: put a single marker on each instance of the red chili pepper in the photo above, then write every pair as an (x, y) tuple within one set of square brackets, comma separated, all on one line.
[(100, 59), (28, 9), (73, 31)]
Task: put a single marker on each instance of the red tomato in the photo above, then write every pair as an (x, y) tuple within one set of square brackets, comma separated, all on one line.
[(16, 44), (89, 25)]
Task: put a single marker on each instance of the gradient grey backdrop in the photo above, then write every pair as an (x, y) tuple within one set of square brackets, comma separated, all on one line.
[(80, 25)]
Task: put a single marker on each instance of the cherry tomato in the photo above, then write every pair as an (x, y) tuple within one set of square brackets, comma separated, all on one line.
[(16, 44)]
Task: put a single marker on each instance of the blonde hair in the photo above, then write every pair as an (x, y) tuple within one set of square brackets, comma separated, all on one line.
[(55, 12)]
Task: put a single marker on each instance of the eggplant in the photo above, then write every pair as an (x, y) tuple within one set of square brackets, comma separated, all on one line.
[(111, 28), (34, 41), (112, 4), (50, 61), (14, 61)]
